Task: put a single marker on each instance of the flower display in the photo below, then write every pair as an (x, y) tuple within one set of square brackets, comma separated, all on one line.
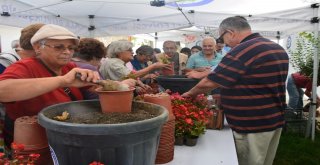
[(19, 159), (191, 115)]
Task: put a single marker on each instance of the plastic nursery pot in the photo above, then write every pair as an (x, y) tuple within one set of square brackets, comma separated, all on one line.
[(179, 140), (115, 101), (132, 143), (28, 132), (191, 141)]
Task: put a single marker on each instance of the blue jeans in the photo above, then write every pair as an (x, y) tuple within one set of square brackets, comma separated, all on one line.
[(295, 94)]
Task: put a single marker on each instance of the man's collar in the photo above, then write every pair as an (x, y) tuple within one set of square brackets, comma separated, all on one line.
[(251, 36)]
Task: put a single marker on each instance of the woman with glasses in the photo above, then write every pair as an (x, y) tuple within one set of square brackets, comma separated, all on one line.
[(114, 68), (141, 60), (32, 84), (120, 53)]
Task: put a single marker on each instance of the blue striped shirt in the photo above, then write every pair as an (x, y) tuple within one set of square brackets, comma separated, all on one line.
[(252, 76)]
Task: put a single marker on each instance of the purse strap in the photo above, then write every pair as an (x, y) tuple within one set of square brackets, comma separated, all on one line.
[(65, 89)]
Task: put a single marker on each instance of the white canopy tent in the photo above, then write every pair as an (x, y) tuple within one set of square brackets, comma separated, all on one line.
[(127, 17), (93, 18)]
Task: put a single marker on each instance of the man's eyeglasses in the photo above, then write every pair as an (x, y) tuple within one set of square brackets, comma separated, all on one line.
[(220, 39), (62, 47)]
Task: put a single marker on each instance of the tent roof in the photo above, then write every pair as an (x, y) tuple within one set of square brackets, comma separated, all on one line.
[(127, 17)]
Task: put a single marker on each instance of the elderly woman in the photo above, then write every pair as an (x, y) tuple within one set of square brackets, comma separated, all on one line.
[(120, 53), (32, 84)]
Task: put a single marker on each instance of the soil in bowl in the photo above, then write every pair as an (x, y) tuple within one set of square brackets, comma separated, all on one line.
[(111, 118)]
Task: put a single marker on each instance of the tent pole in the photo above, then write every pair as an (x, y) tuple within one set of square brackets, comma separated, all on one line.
[(155, 39), (312, 109), (91, 27)]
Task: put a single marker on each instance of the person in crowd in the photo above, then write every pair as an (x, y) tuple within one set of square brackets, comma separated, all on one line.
[(15, 44), (156, 51), (143, 55), (24, 50), (186, 51), (207, 58), (219, 46), (252, 79), (19, 51), (140, 61), (31, 84), (195, 49), (296, 82), (88, 55), (154, 59), (179, 60)]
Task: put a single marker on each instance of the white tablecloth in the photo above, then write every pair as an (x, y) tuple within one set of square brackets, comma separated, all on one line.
[(213, 148)]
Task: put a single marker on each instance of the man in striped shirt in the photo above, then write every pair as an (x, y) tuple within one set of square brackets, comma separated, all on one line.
[(252, 79)]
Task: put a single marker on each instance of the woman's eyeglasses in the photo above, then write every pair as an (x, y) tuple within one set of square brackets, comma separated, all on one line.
[(62, 47)]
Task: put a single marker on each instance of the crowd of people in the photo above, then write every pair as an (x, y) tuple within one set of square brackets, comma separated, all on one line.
[(41, 69)]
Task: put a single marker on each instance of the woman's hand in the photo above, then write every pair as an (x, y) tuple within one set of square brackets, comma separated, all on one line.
[(130, 82), (159, 65), (151, 76), (86, 79)]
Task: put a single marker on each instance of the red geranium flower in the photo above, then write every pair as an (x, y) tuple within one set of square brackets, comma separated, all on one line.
[(191, 114)]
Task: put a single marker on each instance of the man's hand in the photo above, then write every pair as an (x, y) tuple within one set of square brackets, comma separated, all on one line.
[(187, 94)]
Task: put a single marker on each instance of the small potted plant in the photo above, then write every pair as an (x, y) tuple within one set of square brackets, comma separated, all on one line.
[(165, 60), (191, 117), (112, 92)]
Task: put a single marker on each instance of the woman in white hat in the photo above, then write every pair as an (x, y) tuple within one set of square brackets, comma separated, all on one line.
[(29, 85)]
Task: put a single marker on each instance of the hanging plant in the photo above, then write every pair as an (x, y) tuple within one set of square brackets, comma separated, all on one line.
[(302, 55)]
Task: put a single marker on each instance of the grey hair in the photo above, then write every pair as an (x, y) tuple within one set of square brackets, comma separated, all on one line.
[(15, 44), (209, 38), (237, 23), (169, 42), (117, 47)]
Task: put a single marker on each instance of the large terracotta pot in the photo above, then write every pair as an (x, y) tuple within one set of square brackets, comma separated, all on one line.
[(115, 101)]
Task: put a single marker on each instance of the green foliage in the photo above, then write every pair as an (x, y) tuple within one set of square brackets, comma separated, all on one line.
[(199, 129), (302, 56)]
